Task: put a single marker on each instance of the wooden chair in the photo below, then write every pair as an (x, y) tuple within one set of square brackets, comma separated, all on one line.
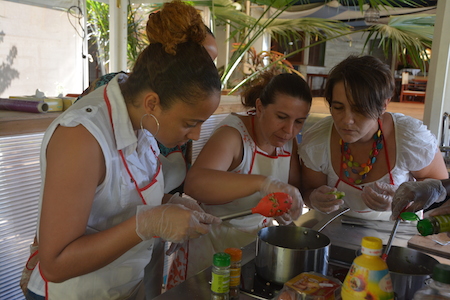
[(413, 91)]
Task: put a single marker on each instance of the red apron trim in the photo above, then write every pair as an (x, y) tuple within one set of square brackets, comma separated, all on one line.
[(139, 190), (29, 258), (45, 281)]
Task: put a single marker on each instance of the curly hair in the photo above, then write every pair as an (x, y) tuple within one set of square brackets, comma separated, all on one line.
[(175, 65), (174, 24)]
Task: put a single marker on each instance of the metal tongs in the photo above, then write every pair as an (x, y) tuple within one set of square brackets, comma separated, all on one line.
[(393, 232)]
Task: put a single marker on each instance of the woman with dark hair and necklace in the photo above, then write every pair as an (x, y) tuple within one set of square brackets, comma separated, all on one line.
[(361, 149)]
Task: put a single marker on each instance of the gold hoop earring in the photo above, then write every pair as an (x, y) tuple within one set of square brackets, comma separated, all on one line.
[(156, 120)]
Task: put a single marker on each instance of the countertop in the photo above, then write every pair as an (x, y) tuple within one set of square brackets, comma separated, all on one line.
[(340, 232), (15, 123)]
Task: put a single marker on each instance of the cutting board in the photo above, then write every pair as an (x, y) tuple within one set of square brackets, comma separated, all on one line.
[(426, 244)]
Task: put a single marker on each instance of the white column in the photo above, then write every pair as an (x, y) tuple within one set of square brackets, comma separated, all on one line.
[(438, 77), (118, 35), (85, 69)]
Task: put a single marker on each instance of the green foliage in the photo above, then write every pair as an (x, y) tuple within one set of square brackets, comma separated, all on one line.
[(98, 23), (404, 36)]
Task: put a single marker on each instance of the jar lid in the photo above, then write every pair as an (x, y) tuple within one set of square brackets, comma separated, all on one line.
[(221, 259), (235, 253), (372, 242), (425, 227), (441, 273)]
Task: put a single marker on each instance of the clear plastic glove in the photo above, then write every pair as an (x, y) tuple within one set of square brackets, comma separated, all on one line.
[(186, 202), (324, 201), (284, 219), (273, 185), (421, 193), (172, 222), (379, 196)]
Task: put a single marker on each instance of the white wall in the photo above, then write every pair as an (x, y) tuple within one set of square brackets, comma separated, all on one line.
[(437, 100), (39, 49)]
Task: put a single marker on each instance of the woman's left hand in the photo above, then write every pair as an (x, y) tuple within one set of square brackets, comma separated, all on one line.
[(379, 197)]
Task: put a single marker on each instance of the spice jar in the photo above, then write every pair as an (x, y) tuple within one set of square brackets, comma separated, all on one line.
[(235, 271), (220, 283)]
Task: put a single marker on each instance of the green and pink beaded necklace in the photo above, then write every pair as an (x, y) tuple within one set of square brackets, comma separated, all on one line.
[(349, 165)]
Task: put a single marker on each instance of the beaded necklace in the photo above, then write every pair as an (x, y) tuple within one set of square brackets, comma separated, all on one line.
[(349, 165)]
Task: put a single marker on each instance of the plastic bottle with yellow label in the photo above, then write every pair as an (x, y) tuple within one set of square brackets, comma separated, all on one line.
[(368, 277)]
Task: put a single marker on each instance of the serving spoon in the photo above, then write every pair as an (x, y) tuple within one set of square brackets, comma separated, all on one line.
[(271, 205)]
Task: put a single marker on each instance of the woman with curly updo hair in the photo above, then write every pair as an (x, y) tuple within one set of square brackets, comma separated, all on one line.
[(102, 203)]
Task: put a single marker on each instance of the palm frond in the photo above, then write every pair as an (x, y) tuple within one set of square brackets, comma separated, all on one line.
[(405, 36)]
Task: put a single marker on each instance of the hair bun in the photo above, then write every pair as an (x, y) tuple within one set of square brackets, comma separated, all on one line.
[(174, 24)]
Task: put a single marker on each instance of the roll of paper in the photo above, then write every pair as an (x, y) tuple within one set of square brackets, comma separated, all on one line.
[(23, 105)]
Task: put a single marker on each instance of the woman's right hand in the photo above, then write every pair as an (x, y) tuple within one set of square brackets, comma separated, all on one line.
[(273, 185), (172, 222), (324, 201)]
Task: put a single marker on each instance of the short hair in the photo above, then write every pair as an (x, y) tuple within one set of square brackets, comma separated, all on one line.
[(368, 83)]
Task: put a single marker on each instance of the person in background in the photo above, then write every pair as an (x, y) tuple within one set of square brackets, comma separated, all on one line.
[(247, 157), (418, 195), (102, 203), (361, 149)]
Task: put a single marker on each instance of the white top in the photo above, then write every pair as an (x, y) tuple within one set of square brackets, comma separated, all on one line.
[(116, 198), (254, 161), (416, 147)]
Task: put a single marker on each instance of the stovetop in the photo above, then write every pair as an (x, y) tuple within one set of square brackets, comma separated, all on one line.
[(254, 285), (259, 288)]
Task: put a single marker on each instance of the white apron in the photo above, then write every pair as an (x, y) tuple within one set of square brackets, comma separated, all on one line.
[(121, 279), (241, 231), (174, 170)]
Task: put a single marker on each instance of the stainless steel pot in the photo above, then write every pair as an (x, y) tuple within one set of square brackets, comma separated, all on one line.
[(282, 252), (409, 269)]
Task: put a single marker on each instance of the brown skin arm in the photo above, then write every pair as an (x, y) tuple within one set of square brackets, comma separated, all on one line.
[(75, 167), (209, 181)]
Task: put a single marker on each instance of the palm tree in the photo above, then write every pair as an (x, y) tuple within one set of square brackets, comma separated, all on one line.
[(403, 36)]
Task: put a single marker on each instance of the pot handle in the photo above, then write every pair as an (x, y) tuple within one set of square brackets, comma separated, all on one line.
[(330, 218)]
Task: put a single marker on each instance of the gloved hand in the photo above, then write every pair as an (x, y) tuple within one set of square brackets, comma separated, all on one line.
[(186, 202), (172, 222), (273, 185), (284, 219), (322, 200), (421, 193), (379, 196)]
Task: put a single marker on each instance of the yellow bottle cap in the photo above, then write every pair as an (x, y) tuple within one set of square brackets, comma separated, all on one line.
[(371, 242)]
